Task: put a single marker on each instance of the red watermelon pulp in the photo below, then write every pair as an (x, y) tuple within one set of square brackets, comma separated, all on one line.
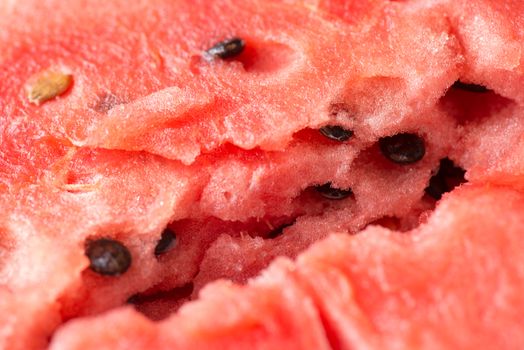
[(275, 174)]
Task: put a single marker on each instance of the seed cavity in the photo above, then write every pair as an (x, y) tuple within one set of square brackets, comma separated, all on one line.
[(278, 231), (391, 222), (169, 299), (337, 133), (226, 49), (446, 179), (108, 257), (403, 148), (47, 85), (330, 192), (166, 243), (469, 87)]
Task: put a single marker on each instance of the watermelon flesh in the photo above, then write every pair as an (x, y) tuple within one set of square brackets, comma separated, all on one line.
[(377, 289), (151, 135)]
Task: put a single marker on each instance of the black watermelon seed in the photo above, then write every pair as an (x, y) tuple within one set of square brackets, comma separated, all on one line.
[(166, 243), (336, 133), (227, 48), (403, 148), (329, 192), (469, 87), (108, 257), (446, 179)]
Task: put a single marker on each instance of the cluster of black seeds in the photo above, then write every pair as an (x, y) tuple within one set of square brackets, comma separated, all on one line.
[(110, 257)]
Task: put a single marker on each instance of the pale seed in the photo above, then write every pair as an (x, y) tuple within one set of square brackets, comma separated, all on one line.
[(47, 85)]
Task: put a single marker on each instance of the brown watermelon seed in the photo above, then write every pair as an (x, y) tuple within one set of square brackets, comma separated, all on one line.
[(47, 85), (330, 192), (108, 257), (335, 132), (227, 48), (403, 148), (166, 243), (469, 87)]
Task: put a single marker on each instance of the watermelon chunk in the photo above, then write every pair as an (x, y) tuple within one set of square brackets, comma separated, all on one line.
[(376, 289), (412, 294), (180, 107), (263, 316)]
